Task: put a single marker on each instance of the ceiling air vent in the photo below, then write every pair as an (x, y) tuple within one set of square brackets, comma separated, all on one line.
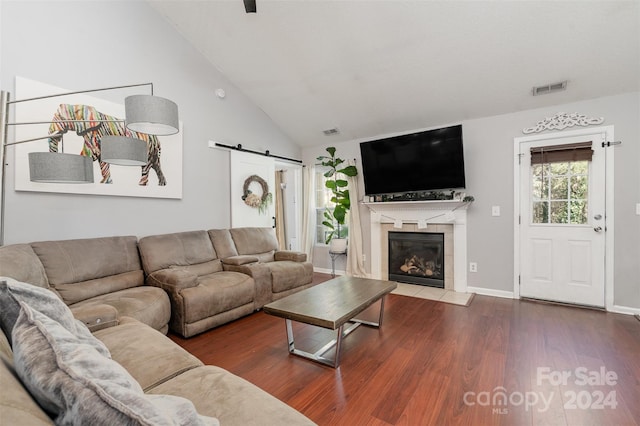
[(331, 132), (549, 88)]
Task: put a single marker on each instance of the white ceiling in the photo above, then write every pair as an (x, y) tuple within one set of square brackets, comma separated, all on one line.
[(374, 68)]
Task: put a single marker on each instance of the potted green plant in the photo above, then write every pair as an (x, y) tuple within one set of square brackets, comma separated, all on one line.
[(335, 218)]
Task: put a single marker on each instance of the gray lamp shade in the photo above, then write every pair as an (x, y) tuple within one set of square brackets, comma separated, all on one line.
[(55, 167), (151, 114), (123, 151)]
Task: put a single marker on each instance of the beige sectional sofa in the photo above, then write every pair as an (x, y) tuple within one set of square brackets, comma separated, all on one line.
[(98, 278), (129, 292), (157, 367), (213, 277), (203, 295), (287, 271)]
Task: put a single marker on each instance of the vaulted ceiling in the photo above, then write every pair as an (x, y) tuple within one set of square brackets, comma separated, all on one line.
[(372, 68)]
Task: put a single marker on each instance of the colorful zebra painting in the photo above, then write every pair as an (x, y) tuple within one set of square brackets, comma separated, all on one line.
[(92, 125)]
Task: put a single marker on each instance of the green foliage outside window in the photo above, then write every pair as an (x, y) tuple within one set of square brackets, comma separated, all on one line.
[(560, 192)]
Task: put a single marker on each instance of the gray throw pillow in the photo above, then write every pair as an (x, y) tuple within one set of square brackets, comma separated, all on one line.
[(12, 292), (79, 386)]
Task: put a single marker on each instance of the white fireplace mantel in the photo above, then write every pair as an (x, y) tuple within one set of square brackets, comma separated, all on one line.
[(419, 205), (432, 212)]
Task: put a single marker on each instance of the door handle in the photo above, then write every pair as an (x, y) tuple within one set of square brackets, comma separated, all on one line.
[(598, 229)]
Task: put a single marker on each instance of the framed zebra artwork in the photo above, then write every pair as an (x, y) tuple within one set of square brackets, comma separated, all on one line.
[(160, 177)]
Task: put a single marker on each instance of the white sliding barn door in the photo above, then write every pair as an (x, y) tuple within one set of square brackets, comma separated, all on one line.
[(244, 165)]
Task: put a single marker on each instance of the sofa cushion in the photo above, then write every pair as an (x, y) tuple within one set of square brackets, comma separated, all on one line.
[(84, 290), (153, 359), (81, 269), (13, 292), (79, 385), (287, 275), (5, 350), (294, 256), (217, 293), (199, 269), (223, 243), (147, 304), (17, 407), (177, 249), (231, 399), (20, 262), (260, 242)]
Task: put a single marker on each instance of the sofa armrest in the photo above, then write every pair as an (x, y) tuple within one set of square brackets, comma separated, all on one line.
[(240, 260), (261, 275), (172, 279), (96, 317), (251, 269), (294, 256)]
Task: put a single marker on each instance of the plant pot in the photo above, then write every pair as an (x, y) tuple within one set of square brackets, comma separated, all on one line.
[(338, 245)]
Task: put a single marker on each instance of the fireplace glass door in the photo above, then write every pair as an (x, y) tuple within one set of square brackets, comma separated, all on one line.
[(417, 258)]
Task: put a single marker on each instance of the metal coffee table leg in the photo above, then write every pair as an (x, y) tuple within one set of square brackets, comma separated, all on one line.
[(318, 355), (337, 342)]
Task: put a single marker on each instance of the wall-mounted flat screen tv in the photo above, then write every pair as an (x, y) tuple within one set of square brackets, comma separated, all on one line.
[(423, 161)]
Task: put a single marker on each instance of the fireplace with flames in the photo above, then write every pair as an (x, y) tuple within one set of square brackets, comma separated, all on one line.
[(417, 258)]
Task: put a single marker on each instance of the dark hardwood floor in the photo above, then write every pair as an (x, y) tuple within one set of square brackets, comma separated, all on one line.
[(434, 363)]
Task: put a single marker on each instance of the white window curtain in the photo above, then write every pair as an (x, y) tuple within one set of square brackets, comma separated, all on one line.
[(280, 219), (308, 211), (355, 265)]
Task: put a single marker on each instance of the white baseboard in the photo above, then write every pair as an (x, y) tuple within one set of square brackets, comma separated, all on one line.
[(328, 271), (509, 295), (624, 310), (501, 293), (490, 292)]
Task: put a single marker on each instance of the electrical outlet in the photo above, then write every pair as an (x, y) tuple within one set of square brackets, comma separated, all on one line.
[(364, 258), (473, 267)]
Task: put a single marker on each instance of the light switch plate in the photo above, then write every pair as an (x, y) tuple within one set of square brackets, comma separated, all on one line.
[(495, 211), (638, 209)]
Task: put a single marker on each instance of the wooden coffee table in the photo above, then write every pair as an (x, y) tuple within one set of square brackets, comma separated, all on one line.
[(331, 305)]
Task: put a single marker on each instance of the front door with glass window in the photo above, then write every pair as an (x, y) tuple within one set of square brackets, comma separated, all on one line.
[(562, 223)]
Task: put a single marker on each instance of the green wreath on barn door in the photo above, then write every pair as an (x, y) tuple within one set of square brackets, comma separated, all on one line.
[(260, 202)]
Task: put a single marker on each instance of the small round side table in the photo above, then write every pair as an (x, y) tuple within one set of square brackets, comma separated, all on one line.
[(334, 255)]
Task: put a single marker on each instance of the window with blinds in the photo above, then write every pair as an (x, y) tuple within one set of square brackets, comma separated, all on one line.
[(561, 153), (560, 183)]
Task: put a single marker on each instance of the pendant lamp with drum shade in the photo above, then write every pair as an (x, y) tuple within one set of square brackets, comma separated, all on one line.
[(146, 114)]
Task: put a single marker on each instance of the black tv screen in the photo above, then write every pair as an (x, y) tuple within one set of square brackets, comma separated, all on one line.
[(421, 161)]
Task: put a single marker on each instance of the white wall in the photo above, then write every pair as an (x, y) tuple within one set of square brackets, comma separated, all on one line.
[(85, 45), (489, 153)]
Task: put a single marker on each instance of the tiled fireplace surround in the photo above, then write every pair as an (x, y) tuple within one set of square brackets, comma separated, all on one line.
[(447, 217)]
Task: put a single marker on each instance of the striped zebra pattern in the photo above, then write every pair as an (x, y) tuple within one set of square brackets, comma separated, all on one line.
[(92, 125)]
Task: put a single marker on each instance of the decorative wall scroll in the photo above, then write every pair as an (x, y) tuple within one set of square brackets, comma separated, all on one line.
[(561, 121)]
